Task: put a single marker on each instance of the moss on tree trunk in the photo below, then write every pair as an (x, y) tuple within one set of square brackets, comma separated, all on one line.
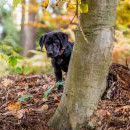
[(86, 79)]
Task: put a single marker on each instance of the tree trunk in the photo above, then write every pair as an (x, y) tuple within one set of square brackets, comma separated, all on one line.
[(28, 32), (86, 79)]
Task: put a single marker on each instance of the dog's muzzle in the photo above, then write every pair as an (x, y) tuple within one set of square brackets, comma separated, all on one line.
[(50, 54)]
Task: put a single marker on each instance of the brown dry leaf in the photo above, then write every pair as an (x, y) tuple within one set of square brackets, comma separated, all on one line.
[(123, 109), (7, 82), (56, 98), (14, 106), (8, 113), (44, 107), (57, 104), (45, 86), (101, 113), (44, 99), (20, 113), (21, 93)]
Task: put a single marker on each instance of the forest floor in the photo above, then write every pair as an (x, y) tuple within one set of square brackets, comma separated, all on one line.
[(28, 102)]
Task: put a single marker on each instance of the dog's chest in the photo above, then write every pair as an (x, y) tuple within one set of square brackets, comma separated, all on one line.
[(63, 63)]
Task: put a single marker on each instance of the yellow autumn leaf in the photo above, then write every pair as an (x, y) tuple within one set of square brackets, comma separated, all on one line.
[(14, 106), (45, 3), (127, 1), (84, 8), (71, 6), (76, 1)]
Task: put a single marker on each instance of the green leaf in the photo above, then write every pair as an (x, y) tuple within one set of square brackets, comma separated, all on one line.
[(60, 83), (18, 70), (27, 70), (15, 3), (84, 8), (12, 60), (24, 98), (90, 126), (46, 93)]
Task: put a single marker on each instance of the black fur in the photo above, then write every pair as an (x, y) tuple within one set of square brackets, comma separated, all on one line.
[(59, 49)]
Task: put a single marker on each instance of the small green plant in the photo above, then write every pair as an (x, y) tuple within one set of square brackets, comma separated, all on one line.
[(90, 126), (10, 57), (25, 97), (47, 92), (60, 83)]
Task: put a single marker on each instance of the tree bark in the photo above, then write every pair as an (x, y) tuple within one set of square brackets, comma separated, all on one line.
[(28, 33), (86, 79)]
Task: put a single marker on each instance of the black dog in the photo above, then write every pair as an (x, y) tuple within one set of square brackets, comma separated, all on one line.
[(59, 49)]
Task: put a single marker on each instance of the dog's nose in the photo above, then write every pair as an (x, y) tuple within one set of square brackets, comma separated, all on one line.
[(49, 54)]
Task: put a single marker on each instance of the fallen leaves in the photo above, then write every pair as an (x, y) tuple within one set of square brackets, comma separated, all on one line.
[(44, 107), (14, 106), (102, 113), (15, 109), (29, 102), (33, 92), (124, 110), (7, 82)]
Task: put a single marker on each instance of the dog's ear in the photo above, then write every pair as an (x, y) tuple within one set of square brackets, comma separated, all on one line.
[(63, 37), (42, 41)]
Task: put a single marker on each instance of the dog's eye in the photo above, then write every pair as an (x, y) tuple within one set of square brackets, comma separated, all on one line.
[(57, 41)]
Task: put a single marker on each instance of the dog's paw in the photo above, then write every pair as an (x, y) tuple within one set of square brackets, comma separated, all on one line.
[(60, 86)]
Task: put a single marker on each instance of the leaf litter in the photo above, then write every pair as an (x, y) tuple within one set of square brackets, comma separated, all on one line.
[(28, 102)]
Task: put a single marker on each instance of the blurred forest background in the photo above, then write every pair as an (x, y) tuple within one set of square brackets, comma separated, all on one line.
[(22, 24)]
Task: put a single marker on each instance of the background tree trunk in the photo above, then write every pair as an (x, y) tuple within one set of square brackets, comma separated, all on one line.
[(28, 32), (86, 79)]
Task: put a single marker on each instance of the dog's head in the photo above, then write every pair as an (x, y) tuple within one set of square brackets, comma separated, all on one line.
[(54, 42)]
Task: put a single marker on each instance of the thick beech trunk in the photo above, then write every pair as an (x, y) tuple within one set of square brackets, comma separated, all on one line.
[(86, 79)]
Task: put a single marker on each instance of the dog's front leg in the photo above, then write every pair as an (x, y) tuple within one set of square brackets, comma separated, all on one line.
[(58, 74)]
